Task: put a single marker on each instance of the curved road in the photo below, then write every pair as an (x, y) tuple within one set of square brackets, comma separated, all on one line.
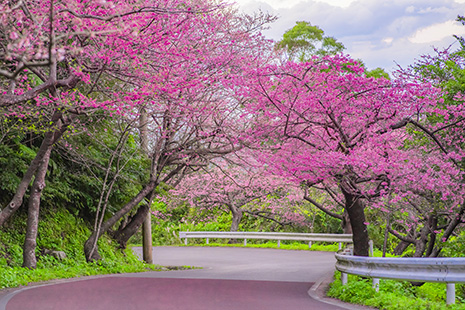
[(230, 278)]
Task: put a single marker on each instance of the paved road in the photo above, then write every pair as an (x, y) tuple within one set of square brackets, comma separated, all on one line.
[(231, 278)]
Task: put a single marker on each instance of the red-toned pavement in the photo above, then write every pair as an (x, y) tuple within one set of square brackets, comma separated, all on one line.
[(168, 294), (231, 278)]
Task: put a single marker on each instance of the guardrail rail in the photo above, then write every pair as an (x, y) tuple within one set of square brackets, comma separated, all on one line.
[(309, 237), (446, 270)]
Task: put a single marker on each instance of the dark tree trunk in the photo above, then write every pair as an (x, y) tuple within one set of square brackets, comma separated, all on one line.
[(432, 238), (420, 244), (47, 143), (450, 229), (236, 217), (90, 246), (403, 245), (123, 235), (147, 223), (30, 242), (355, 210)]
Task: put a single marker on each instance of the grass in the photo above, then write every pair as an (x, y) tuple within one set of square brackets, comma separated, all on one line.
[(273, 245), (393, 295), (50, 269), (59, 230)]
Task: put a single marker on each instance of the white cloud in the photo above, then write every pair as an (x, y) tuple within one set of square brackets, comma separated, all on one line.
[(381, 33), (388, 40), (410, 9), (339, 3), (437, 32)]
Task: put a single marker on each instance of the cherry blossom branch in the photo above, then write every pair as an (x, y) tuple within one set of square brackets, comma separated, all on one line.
[(141, 10), (399, 236), (319, 206), (263, 214)]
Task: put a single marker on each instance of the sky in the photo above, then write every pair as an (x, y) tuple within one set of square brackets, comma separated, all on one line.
[(382, 33)]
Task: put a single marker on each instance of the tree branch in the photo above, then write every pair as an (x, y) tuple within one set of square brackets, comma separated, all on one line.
[(319, 206)]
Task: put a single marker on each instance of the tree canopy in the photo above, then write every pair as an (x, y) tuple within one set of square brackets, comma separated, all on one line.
[(304, 40)]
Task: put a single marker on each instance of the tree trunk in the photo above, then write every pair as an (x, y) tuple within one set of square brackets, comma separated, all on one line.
[(122, 236), (403, 245), (386, 234), (420, 244), (30, 242), (355, 210), (147, 223), (433, 224), (90, 246), (449, 230), (345, 223), (236, 217), (47, 143)]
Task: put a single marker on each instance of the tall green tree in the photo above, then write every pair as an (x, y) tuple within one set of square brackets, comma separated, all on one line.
[(305, 40)]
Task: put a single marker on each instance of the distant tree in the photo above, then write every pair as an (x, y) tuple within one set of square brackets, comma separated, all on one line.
[(305, 40), (241, 185)]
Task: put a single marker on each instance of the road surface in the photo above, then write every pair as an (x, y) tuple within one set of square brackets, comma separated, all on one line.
[(230, 279)]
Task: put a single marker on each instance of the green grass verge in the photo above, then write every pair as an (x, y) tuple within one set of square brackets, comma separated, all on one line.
[(50, 269), (394, 295), (59, 230), (273, 245)]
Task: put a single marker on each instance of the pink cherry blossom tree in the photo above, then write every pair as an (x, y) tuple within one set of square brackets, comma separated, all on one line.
[(329, 124), (435, 202), (191, 116), (243, 186), (61, 60)]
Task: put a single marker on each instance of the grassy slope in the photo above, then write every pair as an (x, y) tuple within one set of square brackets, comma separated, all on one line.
[(59, 230)]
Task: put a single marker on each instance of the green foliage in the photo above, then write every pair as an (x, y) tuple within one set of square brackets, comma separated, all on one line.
[(260, 244), (455, 247), (14, 159), (392, 295), (59, 230), (304, 40), (377, 73)]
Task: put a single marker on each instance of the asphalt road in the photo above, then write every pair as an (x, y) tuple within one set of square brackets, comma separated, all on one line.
[(230, 278)]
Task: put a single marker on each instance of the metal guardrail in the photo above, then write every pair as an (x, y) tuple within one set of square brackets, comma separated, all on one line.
[(341, 238), (447, 270)]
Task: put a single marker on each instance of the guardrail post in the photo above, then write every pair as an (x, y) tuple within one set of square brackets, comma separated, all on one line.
[(376, 284), (370, 250), (279, 243), (344, 278), (245, 242), (450, 299), (208, 240), (309, 244), (340, 245), (185, 241)]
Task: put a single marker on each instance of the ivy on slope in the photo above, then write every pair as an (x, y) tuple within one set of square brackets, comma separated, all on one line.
[(59, 230)]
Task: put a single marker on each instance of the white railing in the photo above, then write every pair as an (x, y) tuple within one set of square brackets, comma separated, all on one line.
[(447, 270), (341, 238)]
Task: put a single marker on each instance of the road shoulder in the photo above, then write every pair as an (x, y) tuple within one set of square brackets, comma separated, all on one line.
[(319, 289)]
